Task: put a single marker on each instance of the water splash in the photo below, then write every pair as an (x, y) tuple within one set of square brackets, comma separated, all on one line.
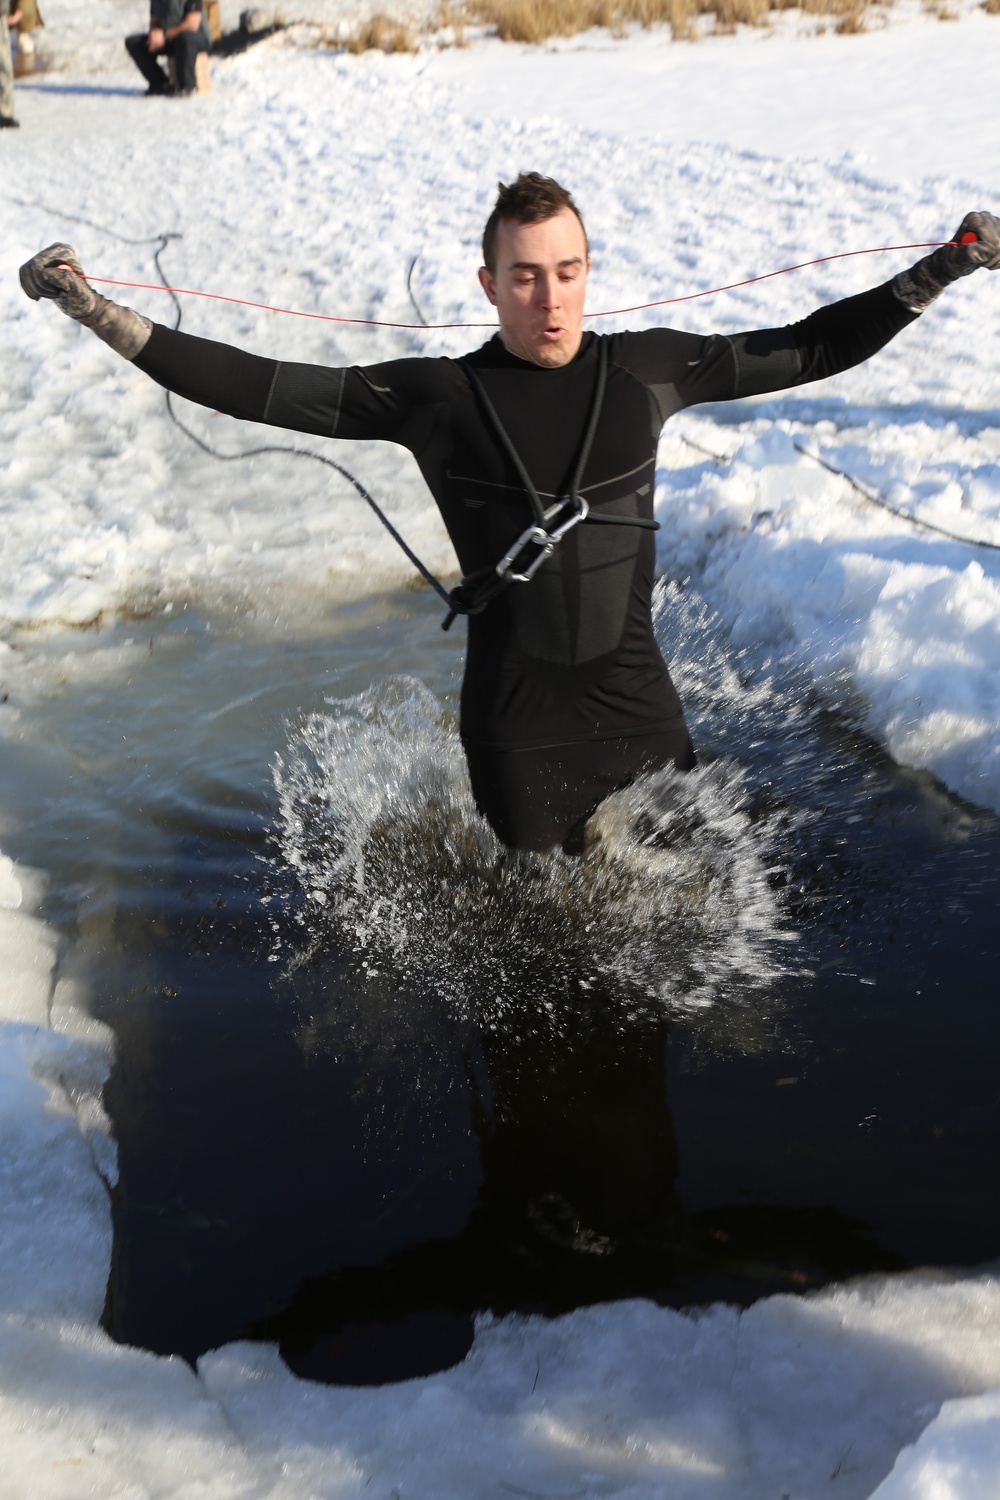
[(671, 902)]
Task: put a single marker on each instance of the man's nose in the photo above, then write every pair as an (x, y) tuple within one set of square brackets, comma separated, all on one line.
[(549, 291)]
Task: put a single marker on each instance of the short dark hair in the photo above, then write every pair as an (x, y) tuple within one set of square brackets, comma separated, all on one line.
[(531, 199)]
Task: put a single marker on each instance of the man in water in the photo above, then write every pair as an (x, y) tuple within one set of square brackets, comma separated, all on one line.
[(540, 450)]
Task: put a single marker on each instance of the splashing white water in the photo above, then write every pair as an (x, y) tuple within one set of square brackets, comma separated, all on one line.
[(670, 902)]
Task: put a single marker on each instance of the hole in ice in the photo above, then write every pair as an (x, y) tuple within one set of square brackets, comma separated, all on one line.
[(475, 1081)]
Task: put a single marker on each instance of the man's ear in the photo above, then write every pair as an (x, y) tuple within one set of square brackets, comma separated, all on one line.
[(488, 284)]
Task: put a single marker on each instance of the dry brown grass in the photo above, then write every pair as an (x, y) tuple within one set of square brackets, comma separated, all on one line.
[(537, 20), (452, 19), (381, 34), (842, 9), (732, 13)]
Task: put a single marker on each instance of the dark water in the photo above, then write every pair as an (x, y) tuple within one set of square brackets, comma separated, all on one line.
[(351, 1155)]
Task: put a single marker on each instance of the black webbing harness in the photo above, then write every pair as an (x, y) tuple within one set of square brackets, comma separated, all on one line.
[(538, 541)]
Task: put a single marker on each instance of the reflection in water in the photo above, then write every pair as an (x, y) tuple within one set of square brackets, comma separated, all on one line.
[(578, 1204)]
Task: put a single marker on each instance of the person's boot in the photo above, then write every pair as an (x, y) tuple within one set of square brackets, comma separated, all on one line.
[(7, 122)]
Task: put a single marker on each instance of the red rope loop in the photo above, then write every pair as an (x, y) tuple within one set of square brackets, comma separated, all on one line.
[(291, 312)]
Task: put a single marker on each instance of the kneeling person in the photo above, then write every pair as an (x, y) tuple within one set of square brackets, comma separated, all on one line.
[(178, 29)]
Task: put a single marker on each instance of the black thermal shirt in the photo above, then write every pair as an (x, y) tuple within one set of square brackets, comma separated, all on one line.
[(570, 657)]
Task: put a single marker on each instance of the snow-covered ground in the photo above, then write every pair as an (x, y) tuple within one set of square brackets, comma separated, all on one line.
[(314, 181)]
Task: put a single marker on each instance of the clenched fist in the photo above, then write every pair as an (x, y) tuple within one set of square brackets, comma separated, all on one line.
[(56, 273)]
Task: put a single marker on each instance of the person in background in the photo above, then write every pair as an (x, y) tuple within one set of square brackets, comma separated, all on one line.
[(178, 29), (8, 19), (30, 22)]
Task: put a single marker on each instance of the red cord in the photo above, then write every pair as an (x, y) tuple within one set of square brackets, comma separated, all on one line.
[(841, 255), (291, 312)]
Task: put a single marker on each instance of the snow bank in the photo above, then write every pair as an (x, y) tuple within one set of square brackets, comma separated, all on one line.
[(899, 621), (957, 1458), (794, 1396), (78, 1413)]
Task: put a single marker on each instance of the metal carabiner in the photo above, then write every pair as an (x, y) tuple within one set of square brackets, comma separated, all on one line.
[(577, 516), (535, 536), (545, 541)]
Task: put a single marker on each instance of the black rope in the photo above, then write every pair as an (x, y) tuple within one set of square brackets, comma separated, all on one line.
[(319, 458), (508, 446), (873, 498), (161, 241), (409, 290), (123, 239), (876, 499), (479, 589)]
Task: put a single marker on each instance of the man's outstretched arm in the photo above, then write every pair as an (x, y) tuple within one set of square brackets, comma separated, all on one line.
[(846, 333), (352, 403), (976, 247), (834, 338)]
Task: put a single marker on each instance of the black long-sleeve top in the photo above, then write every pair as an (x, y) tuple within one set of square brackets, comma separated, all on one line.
[(571, 655)]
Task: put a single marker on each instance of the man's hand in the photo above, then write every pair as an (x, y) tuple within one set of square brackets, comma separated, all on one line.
[(977, 244), (159, 36), (970, 254), (57, 274)]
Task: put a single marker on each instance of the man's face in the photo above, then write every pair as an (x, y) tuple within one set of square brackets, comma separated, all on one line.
[(539, 286)]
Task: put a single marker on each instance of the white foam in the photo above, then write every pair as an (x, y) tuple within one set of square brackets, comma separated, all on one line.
[(671, 900)]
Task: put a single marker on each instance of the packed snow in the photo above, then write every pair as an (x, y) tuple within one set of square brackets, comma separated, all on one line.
[(318, 181)]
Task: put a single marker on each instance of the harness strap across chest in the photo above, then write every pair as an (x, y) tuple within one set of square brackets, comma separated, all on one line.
[(538, 541)]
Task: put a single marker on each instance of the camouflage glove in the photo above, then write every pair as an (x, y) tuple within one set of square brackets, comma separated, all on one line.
[(917, 287), (56, 273)]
